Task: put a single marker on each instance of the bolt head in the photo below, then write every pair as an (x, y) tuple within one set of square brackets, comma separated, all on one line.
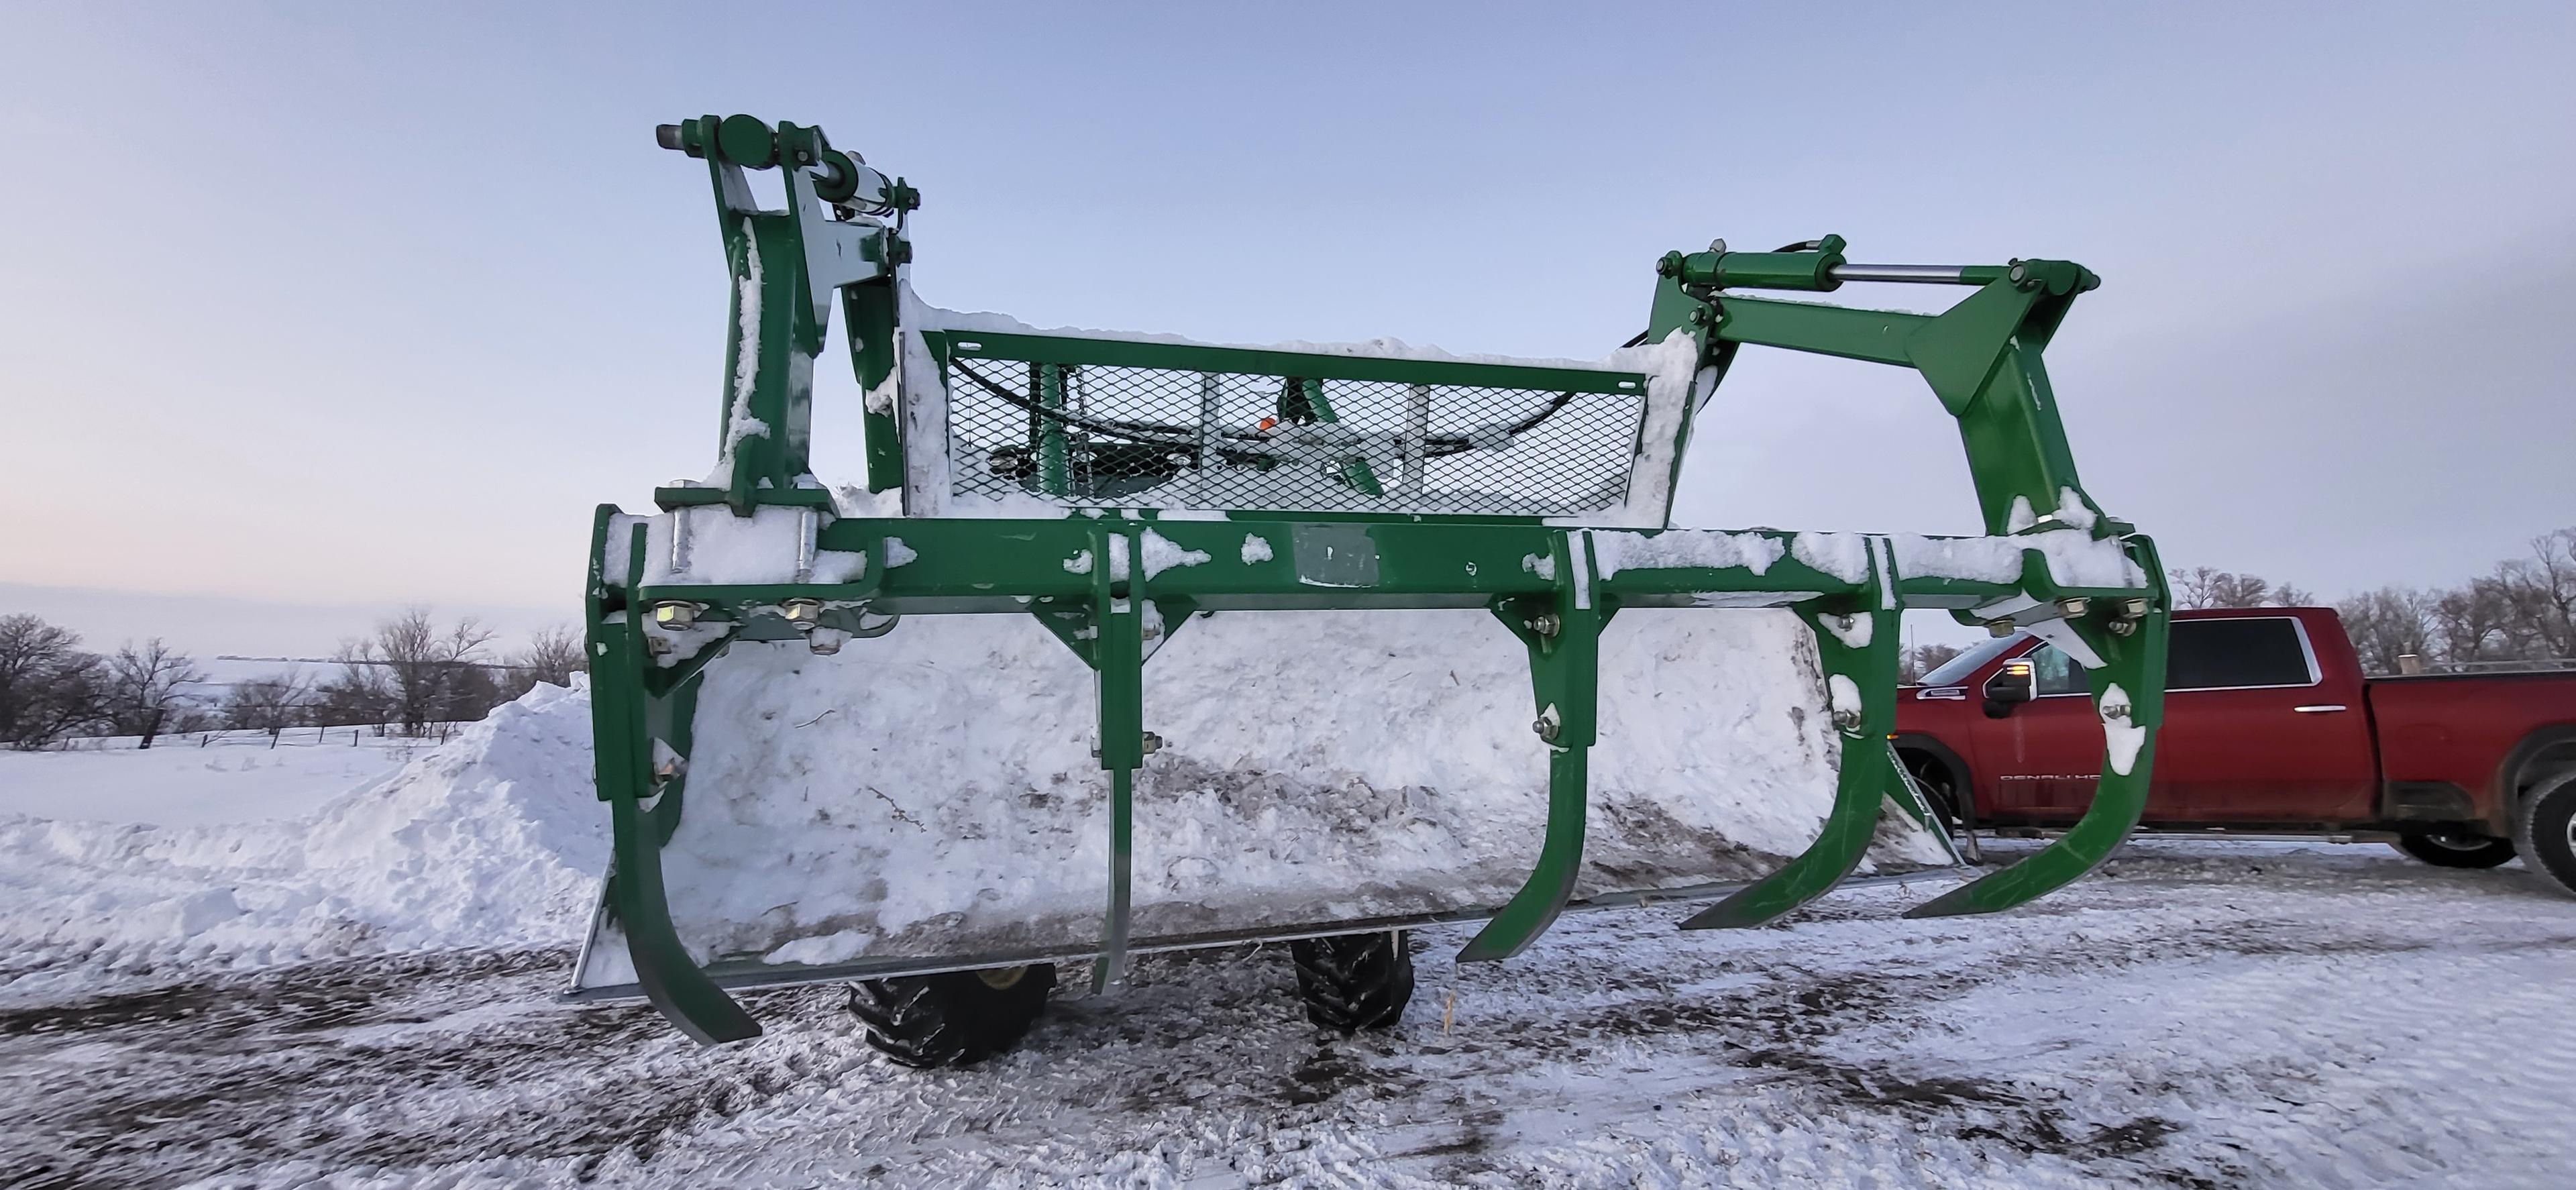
[(677, 615), (2073, 606), (1546, 624), (1999, 628), (805, 614), (1546, 729)]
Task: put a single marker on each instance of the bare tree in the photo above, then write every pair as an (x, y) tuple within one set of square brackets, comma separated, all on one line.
[(144, 685), (2389, 623), (2475, 622), (553, 656), (2540, 595), (49, 688), (270, 704), (1914, 662), (361, 692), (2203, 586), (419, 672)]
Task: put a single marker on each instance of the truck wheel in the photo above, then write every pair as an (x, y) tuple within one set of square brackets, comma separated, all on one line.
[(1355, 981), (2547, 829), (1938, 787), (953, 1018), (2444, 849)]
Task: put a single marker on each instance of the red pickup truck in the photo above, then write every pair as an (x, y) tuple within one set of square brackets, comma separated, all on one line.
[(2269, 727)]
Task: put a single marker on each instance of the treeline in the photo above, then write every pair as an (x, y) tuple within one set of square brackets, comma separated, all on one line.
[(410, 675), (2522, 612)]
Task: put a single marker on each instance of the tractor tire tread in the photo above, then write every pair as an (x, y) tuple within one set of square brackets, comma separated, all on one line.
[(949, 1019), (1352, 982)]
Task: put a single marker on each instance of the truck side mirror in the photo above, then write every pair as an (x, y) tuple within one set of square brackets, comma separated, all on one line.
[(2010, 687)]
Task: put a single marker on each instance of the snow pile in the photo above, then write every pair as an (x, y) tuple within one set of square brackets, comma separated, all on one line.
[(933, 792), (493, 840)]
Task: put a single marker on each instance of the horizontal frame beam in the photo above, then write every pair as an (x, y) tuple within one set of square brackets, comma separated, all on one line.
[(1194, 357)]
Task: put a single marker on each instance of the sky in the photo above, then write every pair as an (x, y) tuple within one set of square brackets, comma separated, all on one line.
[(312, 311)]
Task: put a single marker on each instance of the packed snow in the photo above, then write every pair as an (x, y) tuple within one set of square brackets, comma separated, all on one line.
[(932, 792), (493, 839)]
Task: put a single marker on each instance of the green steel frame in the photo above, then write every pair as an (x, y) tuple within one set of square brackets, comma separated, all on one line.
[(842, 234)]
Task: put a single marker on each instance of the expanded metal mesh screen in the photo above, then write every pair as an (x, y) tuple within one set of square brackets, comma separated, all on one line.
[(1100, 434)]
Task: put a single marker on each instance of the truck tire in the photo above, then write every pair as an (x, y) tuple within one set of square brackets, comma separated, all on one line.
[(1352, 982), (1939, 787), (954, 1018), (2447, 849), (2546, 829)]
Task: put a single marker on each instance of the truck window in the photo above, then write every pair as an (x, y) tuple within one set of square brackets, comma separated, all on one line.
[(2218, 654), (1956, 670), (2053, 672)]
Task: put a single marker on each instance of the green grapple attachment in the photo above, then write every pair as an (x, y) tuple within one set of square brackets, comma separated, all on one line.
[(1111, 488)]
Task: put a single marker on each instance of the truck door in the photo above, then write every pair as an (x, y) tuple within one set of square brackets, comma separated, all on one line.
[(2252, 734), (2040, 759)]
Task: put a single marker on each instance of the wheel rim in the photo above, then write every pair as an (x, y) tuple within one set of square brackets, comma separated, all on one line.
[(1002, 979)]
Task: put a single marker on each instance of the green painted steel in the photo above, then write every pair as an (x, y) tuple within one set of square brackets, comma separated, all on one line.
[(1252, 361), (2129, 686), (1082, 576), (1563, 635), (1862, 786), (621, 712), (1053, 476)]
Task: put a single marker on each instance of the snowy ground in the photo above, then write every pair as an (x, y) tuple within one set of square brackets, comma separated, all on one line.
[(2199, 1014), (281, 999), (198, 780)]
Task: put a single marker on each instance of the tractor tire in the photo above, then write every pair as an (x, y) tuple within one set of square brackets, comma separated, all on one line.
[(2546, 829), (1352, 982), (955, 1018), (2444, 849)]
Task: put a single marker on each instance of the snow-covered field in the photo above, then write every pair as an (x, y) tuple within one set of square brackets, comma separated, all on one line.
[(237, 777), (2198, 1014)]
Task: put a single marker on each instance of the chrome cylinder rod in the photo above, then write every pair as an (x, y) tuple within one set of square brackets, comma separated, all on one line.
[(1920, 274)]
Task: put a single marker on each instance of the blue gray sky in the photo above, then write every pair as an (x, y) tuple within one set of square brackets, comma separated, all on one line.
[(313, 310)]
